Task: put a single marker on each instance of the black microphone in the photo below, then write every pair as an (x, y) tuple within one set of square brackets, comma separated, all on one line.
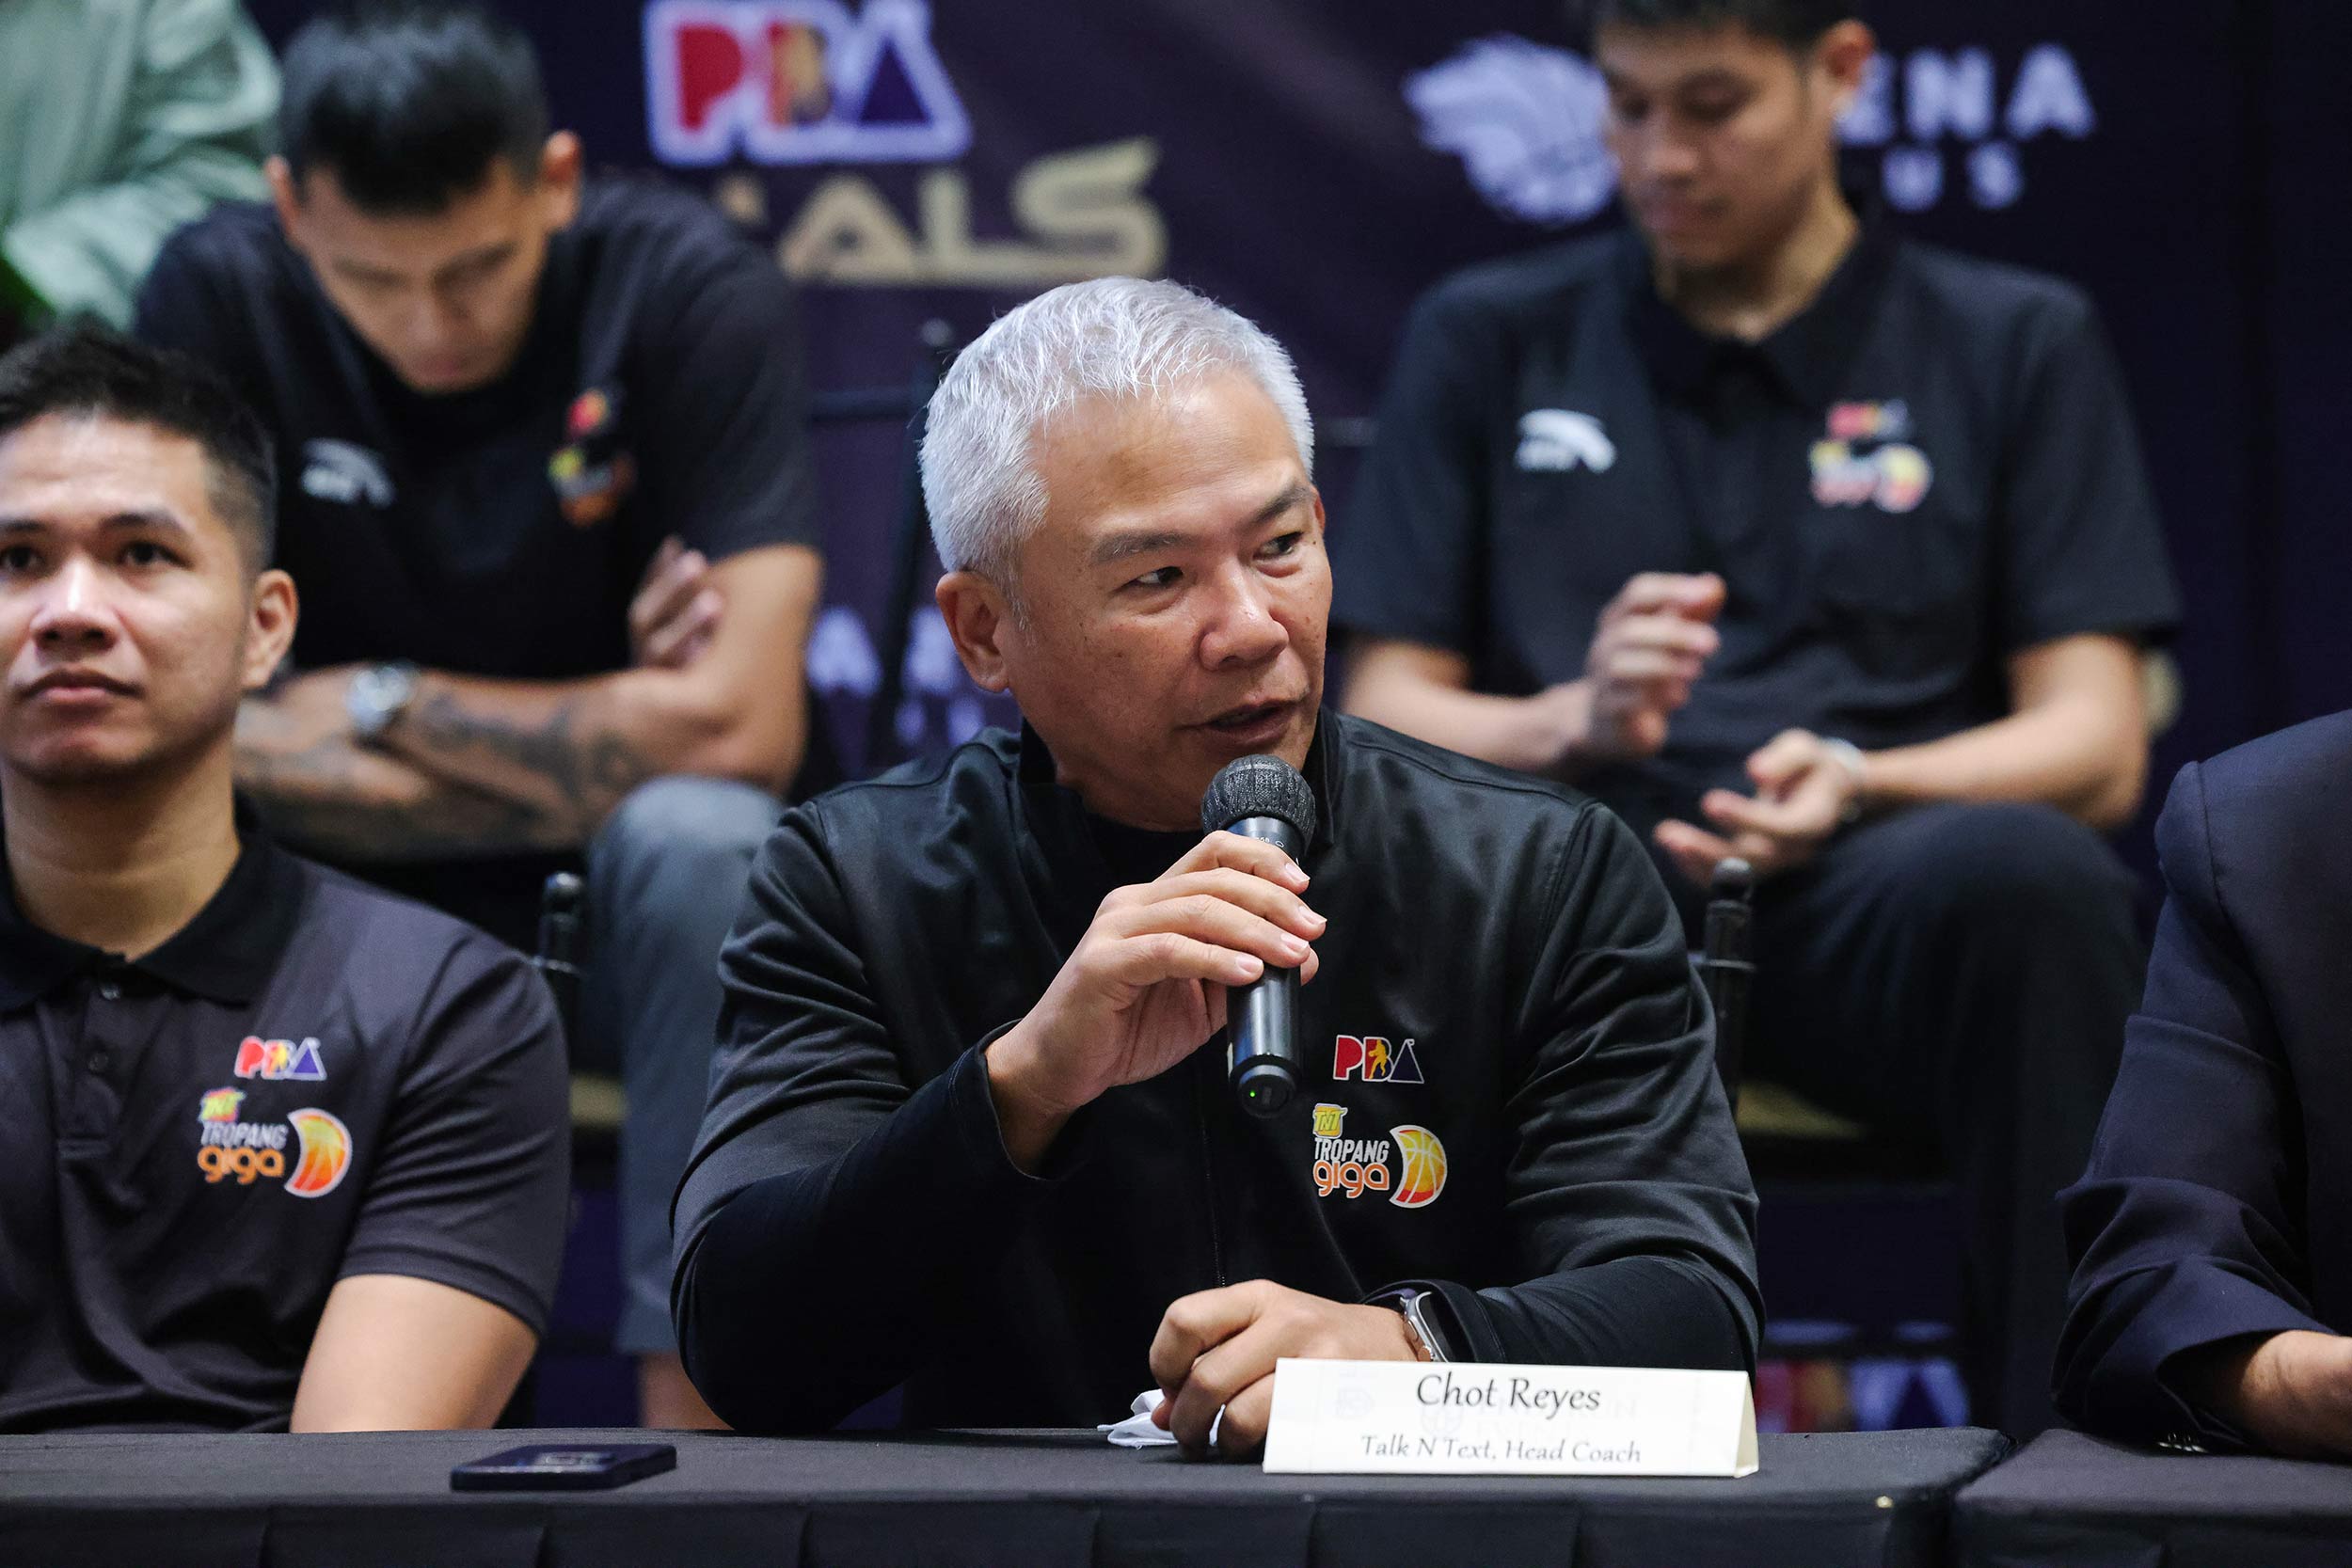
[(1263, 797)]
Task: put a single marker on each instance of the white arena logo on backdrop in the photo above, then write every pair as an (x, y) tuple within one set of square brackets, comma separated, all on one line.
[(1526, 123), (1526, 120), (798, 82), (1960, 97)]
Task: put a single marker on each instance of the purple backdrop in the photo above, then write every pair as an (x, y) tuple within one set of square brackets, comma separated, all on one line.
[(1317, 166)]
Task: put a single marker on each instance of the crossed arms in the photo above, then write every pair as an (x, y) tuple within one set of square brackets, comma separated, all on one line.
[(481, 766)]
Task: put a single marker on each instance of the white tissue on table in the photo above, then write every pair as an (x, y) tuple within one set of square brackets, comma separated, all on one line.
[(1138, 1431)]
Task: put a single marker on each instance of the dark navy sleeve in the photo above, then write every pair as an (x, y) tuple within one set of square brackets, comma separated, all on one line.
[(2185, 1232), (1406, 556), (1628, 1189), (2080, 549), (730, 466), (472, 1186), (833, 1217)]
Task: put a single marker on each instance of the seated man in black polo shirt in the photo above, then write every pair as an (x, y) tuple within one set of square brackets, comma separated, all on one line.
[(550, 500), (968, 1130), (1798, 542), (283, 1148)]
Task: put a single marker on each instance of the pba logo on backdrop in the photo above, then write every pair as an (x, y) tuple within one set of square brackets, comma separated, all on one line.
[(1409, 1165), (228, 1150), (799, 82), (1374, 1060)]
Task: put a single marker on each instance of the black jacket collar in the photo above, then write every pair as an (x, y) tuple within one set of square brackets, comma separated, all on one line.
[(1058, 816)]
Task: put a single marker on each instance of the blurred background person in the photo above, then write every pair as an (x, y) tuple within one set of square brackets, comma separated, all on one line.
[(286, 1149), (124, 121), (551, 503), (1797, 541)]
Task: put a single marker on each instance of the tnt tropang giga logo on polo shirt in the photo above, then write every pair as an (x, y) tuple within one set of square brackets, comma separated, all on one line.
[(309, 1151), (1867, 457)]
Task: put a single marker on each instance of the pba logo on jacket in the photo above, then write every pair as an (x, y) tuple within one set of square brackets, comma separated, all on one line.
[(1373, 1060)]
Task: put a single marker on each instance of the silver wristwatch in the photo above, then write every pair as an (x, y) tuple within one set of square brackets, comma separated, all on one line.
[(1849, 756), (1410, 1303), (377, 696)]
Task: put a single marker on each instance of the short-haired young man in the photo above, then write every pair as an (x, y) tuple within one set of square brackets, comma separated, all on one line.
[(285, 1148), (971, 1128), (550, 500), (1798, 542)]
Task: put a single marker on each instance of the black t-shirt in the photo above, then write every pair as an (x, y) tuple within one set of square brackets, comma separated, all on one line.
[(1930, 468), (502, 532), (311, 1080)]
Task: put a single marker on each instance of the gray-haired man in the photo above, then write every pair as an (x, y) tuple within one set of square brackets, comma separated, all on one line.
[(964, 1132)]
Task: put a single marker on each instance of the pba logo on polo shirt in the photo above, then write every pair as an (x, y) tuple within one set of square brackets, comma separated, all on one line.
[(1374, 1060), (230, 1148), (273, 1060), (1409, 1165)]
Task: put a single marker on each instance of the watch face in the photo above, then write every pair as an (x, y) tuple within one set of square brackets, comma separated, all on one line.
[(377, 695)]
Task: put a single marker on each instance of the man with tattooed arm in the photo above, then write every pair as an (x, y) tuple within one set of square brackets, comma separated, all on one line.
[(549, 502)]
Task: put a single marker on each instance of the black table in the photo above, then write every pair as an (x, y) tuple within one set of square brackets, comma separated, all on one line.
[(1020, 1500), (2072, 1502)]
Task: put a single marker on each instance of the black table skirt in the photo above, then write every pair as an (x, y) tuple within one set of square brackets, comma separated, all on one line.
[(1016, 1499), (2072, 1502)]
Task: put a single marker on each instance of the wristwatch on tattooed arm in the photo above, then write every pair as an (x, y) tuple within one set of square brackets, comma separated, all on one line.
[(377, 696)]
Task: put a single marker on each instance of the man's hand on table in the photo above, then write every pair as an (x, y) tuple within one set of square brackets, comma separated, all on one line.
[(1146, 984), (1215, 1350), (2292, 1392), (1803, 794)]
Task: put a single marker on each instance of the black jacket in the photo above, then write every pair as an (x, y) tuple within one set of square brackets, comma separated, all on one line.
[(1563, 1170)]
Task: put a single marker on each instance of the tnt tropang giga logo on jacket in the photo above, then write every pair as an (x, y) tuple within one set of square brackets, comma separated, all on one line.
[(1409, 1165)]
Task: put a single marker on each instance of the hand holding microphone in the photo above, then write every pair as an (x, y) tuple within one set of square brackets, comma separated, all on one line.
[(1150, 980), (1264, 798)]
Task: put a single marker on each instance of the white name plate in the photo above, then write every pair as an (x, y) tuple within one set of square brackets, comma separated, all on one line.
[(1412, 1418)]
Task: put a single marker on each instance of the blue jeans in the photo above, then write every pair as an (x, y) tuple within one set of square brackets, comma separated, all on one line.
[(666, 876)]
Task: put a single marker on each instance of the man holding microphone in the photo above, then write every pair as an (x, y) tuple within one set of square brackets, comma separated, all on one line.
[(964, 1135)]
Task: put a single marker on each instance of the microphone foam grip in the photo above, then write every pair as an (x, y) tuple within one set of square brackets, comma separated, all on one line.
[(1259, 785)]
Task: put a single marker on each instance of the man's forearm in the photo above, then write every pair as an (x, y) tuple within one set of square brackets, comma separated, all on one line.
[(791, 1262), (567, 751), (547, 750), (322, 792), (1535, 734), (2084, 759), (1640, 1310)]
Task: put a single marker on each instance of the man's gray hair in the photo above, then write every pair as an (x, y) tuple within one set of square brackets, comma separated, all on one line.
[(1112, 337)]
